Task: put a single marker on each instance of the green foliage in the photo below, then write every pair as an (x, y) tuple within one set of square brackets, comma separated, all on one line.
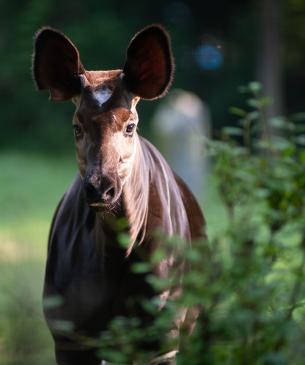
[(248, 279)]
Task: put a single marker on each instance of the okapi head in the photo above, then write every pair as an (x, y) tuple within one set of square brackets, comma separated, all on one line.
[(105, 119)]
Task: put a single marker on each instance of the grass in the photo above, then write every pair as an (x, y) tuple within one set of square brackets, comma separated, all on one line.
[(30, 188)]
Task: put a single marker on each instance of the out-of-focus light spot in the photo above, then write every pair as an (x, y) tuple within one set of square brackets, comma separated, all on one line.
[(209, 56)]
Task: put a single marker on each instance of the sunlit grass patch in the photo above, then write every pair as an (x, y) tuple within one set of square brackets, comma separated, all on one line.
[(24, 338), (30, 187)]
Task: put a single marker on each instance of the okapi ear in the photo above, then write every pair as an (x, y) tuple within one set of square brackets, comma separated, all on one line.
[(56, 64), (149, 66)]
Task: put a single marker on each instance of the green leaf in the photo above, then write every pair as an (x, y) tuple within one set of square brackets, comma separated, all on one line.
[(302, 154), (254, 103), (237, 111), (193, 255), (255, 87), (265, 101), (280, 143), (158, 255), (121, 224), (141, 267), (124, 239), (300, 140), (62, 326), (278, 122), (52, 302), (261, 193), (232, 131), (253, 115)]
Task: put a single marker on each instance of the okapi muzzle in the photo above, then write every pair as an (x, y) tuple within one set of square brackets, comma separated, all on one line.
[(101, 190)]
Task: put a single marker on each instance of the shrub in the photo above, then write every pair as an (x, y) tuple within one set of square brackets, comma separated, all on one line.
[(249, 278)]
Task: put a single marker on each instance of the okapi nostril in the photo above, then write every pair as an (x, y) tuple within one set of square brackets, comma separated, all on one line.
[(93, 195), (109, 194)]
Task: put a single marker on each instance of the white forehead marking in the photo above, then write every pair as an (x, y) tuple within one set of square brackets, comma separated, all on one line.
[(102, 95)]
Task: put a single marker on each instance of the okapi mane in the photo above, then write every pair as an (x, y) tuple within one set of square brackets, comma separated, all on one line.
[(152, 191)]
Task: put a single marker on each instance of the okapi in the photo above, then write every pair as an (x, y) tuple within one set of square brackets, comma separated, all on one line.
[(120, 175)]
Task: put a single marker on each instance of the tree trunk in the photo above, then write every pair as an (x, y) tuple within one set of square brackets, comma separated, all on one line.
[(270, 67)]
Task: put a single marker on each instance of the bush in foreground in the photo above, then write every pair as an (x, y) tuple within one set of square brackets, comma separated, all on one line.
[(248, 279)]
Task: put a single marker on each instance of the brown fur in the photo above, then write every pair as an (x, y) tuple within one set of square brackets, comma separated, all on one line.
[(120, 175)]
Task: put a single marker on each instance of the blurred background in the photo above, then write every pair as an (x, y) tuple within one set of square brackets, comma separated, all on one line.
[(218, 46)]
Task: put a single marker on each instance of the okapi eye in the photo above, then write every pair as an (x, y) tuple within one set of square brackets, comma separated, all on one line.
[(129, 129), (78, 131)]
